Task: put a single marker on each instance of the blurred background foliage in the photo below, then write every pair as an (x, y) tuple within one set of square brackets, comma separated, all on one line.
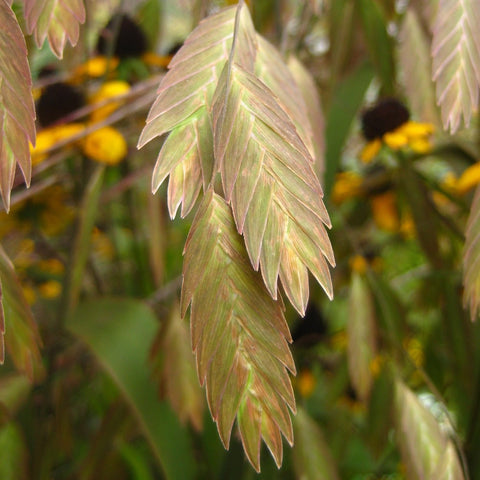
[(99, 379)]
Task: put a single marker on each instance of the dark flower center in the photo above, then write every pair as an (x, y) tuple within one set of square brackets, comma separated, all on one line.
[(56, 102), (385, 116), (130, 41)]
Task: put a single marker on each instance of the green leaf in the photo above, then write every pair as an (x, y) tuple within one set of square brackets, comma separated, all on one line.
[(312, 459), (58, 20), (137, 462), (379, 418), (14, 391), (392, 313), (119, 333), (239, 334), (471, 258), (456, 60), (424, 212), (2, 326), (361, 348), (21, 335), (346, 102), (267, 175), (341, 16), (150, 19), (174, 366), (414, 54), (426, 451), (14, 453), (17, 113), (379, 42), (183, 104), (81, 245)]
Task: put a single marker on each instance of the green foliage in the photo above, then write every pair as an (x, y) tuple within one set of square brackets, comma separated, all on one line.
[(106, 326)]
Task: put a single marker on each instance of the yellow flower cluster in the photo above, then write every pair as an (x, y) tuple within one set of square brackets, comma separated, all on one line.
[(359, 264), (347, 185), (105, 145), (108, 91), (412, 135), (469, 179), (306, 382), (49, 137), (95, 67)]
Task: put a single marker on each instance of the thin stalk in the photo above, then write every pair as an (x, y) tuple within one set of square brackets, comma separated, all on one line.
[(81, 245)]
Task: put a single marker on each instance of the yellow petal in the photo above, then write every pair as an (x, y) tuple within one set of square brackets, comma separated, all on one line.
[(95, 67), (63, 132), (45, 139), (347, 185), (50, 289), (469, 179), (376, 365), (395, 140), (370, 150), (306, 383), (420, 145), (407, 226), (105, 145), (107, 91), (155, 60), (385, 212), (359, 264), (416, 129), (48, 137), (51, 265)]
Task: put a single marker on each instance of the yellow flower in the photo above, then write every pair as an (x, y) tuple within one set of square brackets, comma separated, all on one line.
[(95, 67), (420, 145), (370, 151), (359, 264), (416, 129), (395, 140), (51, 265), (155, 60), (469, 179), (45, 139), (102, 245), (347, 185), (407, 226), (50, 289), (388, 123), (376, 365), (105, 145), (108, 90), (385, 212), (25, 255), (305, 383), (49, 136)]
